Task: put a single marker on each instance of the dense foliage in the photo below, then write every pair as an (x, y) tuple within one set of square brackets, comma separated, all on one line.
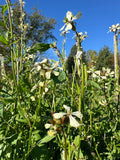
[(46, 116)]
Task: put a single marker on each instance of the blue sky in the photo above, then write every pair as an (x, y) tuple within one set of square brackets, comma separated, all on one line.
[(97, 17)]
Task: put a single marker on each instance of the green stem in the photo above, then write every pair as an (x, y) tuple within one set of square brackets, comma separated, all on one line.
[(85, 70), (65, 144), (31, 129), (11, 48), (116, 67), (99, 158), (80, 131)]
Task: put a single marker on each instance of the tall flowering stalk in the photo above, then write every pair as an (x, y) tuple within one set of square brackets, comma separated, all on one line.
[(79, 65), (22, 3), (116, 30), (11, 38), (70, 25)]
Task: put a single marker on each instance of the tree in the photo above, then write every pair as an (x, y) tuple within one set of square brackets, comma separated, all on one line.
[(105, 58), (37, 28), (70, 61), (91, 58), (40, 27)]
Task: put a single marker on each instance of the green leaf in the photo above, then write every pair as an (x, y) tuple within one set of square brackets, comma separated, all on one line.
[(1, 109), (23, 113), (4, 8), (46, 139), (94, 84), (61, 76), (2, 24), (3, 40), (41, 47)]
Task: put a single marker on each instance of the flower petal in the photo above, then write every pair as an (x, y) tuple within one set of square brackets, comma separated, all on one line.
[(55, 64), (68, 27), (47, 125), (69, 15), (48, 74), (66, 107), (56, 73), (78, 15), (79, 53), (59, 115), (77, 114), (62, 28), (44, 61), (74, 122)]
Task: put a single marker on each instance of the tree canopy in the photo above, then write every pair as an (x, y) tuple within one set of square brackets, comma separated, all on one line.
[(105, 58), (91, 58), (38, 27)]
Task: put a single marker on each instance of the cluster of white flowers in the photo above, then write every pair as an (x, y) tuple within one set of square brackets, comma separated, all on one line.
[(29, 57), (101, 75), (115, 28), (45, 68), (81, 36), (42, 85)]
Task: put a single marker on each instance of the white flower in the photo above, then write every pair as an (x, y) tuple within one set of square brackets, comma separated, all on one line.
[(41, 84), (73, 121), (79, 53), (68, 21), (32, 98), (96, 74), (44, 61), (114, 27), (69, 16), (47, 125)]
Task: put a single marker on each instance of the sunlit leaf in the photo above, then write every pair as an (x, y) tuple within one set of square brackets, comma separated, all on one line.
[(46, 139), (3, 40), (41, 47), (4, 8)]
